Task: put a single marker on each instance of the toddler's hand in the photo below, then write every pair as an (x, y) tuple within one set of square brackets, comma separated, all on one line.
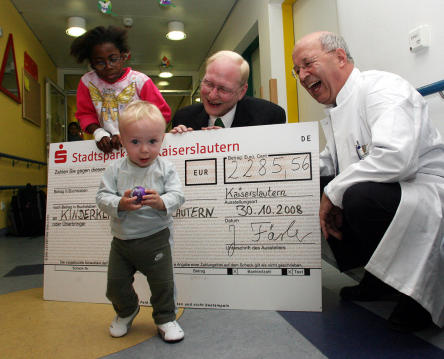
[(128, 203), (153, 200)]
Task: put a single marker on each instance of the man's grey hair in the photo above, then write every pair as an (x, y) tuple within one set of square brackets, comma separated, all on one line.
[(330, 42)]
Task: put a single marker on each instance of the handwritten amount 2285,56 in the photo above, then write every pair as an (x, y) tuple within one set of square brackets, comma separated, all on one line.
[(264, 168)]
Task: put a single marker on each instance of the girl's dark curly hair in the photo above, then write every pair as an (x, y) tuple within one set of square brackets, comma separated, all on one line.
[(81, 48)]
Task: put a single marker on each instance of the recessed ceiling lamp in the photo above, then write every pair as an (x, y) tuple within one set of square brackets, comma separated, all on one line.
[(163, 83), (176, 31), (165, 72), (76, 26)]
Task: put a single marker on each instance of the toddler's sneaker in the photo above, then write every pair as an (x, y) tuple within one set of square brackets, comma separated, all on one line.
[(171, 332), (119, 326)]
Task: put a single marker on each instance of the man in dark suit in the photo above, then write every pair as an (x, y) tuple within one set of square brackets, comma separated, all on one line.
[(224, 103)]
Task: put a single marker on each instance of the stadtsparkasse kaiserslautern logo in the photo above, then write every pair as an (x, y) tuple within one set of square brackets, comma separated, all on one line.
[(61, 155)]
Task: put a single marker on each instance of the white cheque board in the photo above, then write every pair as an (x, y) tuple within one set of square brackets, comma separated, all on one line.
[(247, 236)]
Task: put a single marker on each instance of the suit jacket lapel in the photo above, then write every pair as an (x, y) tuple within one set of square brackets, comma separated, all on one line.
[(202, 119), (241, 115)]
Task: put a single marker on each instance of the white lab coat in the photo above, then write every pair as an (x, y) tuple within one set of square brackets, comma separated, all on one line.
[(383, 134)]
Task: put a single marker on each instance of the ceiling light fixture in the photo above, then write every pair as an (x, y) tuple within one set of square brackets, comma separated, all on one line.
[(176, 31), (165, 72), (163, 83), (76, 26)]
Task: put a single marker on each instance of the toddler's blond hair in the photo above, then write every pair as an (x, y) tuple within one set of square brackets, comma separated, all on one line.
[(139, 110)]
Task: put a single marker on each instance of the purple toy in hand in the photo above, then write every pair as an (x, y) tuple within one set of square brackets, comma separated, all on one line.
[(138, 191)]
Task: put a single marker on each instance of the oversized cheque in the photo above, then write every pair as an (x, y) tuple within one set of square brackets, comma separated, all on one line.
[(247, 236)]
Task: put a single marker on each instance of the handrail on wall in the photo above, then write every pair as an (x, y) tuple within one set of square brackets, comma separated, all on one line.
[(22, 159), (432, 88), (18, 187)]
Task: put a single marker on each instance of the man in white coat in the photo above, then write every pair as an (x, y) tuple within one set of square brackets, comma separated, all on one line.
[(384, 207)]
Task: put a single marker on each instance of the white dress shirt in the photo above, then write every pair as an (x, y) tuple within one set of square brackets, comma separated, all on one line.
[(227, 119)]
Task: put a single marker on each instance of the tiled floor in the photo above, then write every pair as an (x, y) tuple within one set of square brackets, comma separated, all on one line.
[(342, 330)]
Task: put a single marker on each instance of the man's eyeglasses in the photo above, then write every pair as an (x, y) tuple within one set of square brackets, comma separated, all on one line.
[(307, 64), (112, 61), (220, 89)]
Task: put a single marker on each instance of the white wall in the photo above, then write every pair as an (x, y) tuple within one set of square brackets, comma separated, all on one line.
[(377, 34), (277, 50), (381, 41), (310, 16)]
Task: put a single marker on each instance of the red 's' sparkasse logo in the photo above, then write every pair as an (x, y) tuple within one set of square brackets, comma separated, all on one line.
[(61, 155)]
